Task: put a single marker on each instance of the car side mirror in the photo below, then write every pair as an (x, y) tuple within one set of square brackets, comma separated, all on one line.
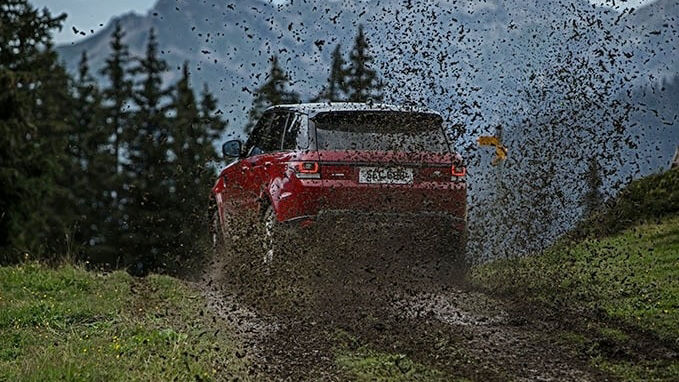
[(232, 149)]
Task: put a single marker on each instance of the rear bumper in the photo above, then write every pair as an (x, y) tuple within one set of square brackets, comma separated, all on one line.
[(313, 199), (347, 217), (405, 217)]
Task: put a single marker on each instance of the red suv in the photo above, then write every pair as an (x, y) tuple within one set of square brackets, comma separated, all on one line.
[(309, 161)]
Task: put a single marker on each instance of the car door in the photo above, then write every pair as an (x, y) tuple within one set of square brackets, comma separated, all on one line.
[(239, 195), (264, 141), (267, 164)]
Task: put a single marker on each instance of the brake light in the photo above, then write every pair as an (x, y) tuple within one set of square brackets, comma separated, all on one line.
[(306, 170), (458, 171), (307, 167)]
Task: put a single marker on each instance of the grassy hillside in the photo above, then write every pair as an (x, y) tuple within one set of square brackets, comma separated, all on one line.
[(616, 281), (643, 200), (632, 277), (69, 324)]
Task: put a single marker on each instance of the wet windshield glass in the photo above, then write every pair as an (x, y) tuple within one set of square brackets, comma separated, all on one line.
[(381, 131)]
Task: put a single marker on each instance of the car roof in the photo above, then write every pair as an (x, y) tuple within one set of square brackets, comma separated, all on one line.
[(315, 108)]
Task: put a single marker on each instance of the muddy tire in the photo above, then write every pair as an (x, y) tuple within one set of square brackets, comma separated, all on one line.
[(270, 236), (216, 233), (216, 265), (453, 265), (266, 251)]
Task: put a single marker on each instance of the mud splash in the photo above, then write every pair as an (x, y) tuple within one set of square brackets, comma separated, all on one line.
[(462, 333)]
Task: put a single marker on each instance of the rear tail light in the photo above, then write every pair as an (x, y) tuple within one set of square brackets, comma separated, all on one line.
[(306, 170), (458, 172)]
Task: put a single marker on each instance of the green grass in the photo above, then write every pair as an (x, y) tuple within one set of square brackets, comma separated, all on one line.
[(640, 371), (70, 324), (642, 200), (628, 281), (363, 363), (632, 276)]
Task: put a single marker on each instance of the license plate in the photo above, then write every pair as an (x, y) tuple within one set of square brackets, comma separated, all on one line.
[(385, 175)]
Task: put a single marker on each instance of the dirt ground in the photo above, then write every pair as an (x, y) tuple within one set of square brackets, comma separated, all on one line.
[(294, 322), (460, 332)]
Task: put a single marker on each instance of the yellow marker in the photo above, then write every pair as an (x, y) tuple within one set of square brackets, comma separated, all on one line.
[(500, 150)]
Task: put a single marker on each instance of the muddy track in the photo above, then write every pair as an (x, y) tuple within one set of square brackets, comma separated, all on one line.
[(462, 333), (293, 321), (504, 343)]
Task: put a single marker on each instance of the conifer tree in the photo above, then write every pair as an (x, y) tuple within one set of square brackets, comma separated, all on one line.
[(92, 176), (119, 91), (147, 170), (116, 106), (336, 88), (33, 130), (189, 152), (210, 117), (194, 129), (186, 132), (363, 82), (272, 92)]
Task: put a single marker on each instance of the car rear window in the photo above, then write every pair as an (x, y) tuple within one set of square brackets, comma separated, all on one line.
[(380, 131)]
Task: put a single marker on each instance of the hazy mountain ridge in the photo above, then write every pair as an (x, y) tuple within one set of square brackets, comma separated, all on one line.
[(228, 44)]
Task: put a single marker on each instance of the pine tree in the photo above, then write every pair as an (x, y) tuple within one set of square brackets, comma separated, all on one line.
[(210, 117), (119, 91), (194, 130), (147, 170), (337, 87), (92, 177), (273, 92), (363, 82), (81, 139), (33, 130), (186, 186), (190, 151), (186, 132), (593, 198), (117, 116)]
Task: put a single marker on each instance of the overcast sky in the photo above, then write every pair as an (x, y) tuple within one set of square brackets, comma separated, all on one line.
[(92, 15), (88, 15)]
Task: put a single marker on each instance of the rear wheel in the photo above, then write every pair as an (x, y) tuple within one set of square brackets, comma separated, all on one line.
[(454, 265), (269, 231), (215, 230)]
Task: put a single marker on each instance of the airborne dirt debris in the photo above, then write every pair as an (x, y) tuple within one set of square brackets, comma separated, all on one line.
[(347, 309), (444, 333)]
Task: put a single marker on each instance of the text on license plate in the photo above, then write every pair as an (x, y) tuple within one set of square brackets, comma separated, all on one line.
[(385, 175)]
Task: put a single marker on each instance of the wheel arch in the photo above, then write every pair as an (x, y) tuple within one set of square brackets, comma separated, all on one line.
[(266, 198)]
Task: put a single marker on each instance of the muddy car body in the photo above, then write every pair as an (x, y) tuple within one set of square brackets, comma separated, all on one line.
[(306, 162)]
